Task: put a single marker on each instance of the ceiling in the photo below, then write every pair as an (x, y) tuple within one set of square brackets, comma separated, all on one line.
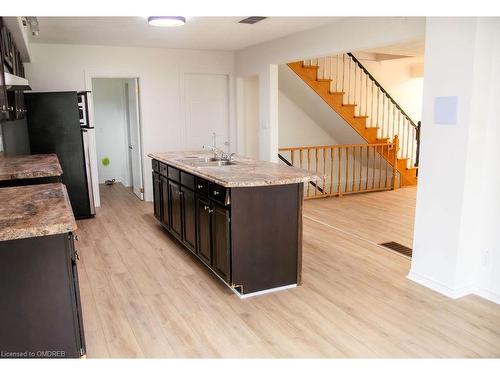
[(412, 48), (209, 33)]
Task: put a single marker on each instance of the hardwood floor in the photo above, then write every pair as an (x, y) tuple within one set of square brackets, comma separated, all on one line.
[(145, 296)]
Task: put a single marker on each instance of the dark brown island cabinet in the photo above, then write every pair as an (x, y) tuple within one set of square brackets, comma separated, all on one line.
[(250, 237), (40, 309)]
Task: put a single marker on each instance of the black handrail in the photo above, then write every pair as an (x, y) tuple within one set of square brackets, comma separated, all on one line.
[(284, 160), (382, 89), (417, 136)]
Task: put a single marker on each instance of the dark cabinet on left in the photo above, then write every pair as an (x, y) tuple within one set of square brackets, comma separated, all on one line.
[(11, 102), (40, 312)]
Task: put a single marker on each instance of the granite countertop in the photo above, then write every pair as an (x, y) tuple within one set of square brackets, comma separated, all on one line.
[(34, 211), (246, 172), (29, 166)]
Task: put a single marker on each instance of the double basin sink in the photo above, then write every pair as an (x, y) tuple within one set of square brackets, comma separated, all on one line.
[(198, 162)]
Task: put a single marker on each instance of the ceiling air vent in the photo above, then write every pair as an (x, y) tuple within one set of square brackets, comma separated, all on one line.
[(251, 20)]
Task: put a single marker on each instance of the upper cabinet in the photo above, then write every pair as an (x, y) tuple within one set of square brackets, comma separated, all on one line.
[(11, 102)]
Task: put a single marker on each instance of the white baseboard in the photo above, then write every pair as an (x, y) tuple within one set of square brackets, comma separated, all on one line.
[(439, 286), (488, 294), (243, 296), (453, 292)]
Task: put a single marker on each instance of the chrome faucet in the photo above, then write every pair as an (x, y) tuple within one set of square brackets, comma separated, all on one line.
[(223, 155)]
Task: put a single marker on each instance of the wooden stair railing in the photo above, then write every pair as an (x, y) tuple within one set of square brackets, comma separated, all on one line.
[(349, 89), (314, 185), (346, 169)]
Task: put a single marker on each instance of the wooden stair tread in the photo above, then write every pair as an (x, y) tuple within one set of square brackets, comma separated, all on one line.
[(309, 74)]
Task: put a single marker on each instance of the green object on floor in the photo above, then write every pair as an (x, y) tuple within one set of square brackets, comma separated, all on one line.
[(105, 161)]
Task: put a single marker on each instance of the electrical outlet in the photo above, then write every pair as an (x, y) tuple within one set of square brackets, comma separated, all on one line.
[(485, 258)]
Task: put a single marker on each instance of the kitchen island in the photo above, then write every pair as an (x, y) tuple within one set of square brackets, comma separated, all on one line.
[(241, 218), (40, 310)]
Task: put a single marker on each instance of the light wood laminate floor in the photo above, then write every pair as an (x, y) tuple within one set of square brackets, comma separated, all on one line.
[(143, 295)]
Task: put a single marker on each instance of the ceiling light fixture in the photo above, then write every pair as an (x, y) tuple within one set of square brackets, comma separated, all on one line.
[(166, 21)]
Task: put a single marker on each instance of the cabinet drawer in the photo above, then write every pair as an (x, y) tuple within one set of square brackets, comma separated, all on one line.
[(155, 164), (219, 193), (174, 174), (201, 186), (163, 169), (187, 180)]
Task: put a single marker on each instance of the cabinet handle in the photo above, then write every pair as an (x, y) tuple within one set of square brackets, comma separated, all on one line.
[(200, 186), (216, 192), (77, 255), (205, 208), (210, 211)]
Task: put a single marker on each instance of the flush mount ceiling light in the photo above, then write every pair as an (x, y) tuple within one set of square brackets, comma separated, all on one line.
[(166, 21)]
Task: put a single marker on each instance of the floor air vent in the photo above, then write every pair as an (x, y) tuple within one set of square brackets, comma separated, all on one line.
[(252, 20), (398, 247)]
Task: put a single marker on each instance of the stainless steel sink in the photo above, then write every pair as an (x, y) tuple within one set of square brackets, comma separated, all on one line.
[(206, 162)]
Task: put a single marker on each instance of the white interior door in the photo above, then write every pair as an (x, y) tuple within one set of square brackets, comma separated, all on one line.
[(134, 137), (207, 110)]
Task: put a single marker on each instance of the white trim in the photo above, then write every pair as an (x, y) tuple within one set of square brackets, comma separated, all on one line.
[(487, 294), (260, 292), (440, 287), (266, 291)]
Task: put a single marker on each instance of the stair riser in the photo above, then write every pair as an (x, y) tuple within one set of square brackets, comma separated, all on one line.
[(347, 112)]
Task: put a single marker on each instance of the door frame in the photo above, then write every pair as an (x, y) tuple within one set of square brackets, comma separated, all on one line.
[(92, 142)]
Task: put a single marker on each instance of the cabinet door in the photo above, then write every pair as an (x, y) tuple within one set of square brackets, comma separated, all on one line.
[(4, 113), (221, 242), (156, 195), (77, 305), (165, 203), (203, 231), (189, 218), (175, 209)]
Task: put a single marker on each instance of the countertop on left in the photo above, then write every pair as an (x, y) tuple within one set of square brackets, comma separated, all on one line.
[(34, 211), (29, 166)]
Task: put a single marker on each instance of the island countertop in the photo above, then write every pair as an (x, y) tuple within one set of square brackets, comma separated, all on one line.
[(34, 211), (29, 166), (245, 172)]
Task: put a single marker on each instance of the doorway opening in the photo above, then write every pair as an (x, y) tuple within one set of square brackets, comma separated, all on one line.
[(118, 132)]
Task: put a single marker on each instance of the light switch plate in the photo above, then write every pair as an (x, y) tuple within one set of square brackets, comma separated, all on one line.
[(445, 110)]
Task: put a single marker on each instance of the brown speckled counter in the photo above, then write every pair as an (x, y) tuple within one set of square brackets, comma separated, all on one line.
[(34, 211), (246, 172), (29, 166)]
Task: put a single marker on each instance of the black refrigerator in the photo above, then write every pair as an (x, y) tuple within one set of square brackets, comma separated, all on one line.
[(55, 126)]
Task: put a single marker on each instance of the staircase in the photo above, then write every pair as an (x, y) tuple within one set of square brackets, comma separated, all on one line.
[(351, 91)]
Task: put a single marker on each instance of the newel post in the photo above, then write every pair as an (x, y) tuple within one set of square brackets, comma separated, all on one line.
[(395, 149)]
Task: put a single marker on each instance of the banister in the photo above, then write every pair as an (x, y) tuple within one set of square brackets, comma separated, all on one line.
[(381, 88), (284, 160)]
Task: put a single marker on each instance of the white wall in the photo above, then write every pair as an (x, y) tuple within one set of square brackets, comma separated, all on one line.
[(296, 128), (456, 240), (315, 108), (350, 34), (248, 116), (161, 84), (111, 128), (395, 77)]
